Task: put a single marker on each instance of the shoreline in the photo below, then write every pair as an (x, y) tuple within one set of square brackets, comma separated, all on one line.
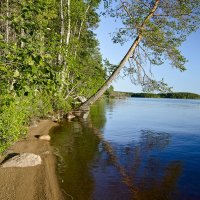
[(32, 183)]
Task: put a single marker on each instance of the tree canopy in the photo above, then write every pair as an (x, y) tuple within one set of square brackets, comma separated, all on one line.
[(50, 45), (49, 58), (156, 28)]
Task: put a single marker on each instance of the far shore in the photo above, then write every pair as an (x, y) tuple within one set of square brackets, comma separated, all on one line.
[(169, 95), (32, 183)]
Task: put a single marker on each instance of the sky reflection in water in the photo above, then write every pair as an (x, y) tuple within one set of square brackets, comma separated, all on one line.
[(132, 149)]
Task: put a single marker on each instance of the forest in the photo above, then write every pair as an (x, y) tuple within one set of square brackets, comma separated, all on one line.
[(48, 53), (110, 93), (172, 95)]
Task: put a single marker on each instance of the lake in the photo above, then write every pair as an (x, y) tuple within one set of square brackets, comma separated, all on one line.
[(134, 148)]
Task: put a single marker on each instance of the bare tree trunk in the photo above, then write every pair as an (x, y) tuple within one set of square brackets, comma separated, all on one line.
[(61, 30), (82, 22), (81, 26), (69, 22), (105, 86), (63, 73), (22, 35), (7, 22)]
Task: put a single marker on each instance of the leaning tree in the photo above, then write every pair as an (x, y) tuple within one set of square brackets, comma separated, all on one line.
[(157, 29)]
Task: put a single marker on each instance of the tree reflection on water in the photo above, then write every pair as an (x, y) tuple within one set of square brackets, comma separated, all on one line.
[(147, 179), (78, 146), (155, 181)]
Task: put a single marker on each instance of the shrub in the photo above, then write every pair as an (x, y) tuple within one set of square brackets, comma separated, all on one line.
[(16, 114)]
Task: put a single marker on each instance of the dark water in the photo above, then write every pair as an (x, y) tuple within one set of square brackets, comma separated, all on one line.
[(146, 149)]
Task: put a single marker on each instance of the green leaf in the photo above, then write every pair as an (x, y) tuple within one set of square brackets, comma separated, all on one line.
[(16, 73), (30, 61), (3, 68), (34, 69)]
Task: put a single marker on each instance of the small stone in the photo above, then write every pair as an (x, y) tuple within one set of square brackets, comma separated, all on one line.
[(57, 117), (46, 152), (22, 160), (70, 116), (82, 99), (85, 115), (33, 124), (45, 137), (77, 113)]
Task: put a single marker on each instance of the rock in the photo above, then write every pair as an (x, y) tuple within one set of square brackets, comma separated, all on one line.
[(82, 99), (33, 124), (85, 115), (46, 152), (70, 116), (45, 137), (22, 160), (81, 113), (54, 119), (77, 113), (57, 117)]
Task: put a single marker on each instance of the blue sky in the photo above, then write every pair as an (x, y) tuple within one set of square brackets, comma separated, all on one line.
[(187, 81)]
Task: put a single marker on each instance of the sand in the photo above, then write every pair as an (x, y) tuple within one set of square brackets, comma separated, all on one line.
[(32, 183)]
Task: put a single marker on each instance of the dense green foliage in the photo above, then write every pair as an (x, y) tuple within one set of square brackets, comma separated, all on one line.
[(16, 114), (109, 91), (49, 57)]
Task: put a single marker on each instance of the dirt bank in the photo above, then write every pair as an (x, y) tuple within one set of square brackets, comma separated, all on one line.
[(32, 183)]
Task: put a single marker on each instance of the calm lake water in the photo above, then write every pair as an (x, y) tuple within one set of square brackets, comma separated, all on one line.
[(144, 149)]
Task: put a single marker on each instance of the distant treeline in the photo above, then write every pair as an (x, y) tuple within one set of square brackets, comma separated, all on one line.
[(175, 95)]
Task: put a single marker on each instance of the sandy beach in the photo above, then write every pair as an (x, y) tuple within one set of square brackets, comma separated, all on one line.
[(32, 183)]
